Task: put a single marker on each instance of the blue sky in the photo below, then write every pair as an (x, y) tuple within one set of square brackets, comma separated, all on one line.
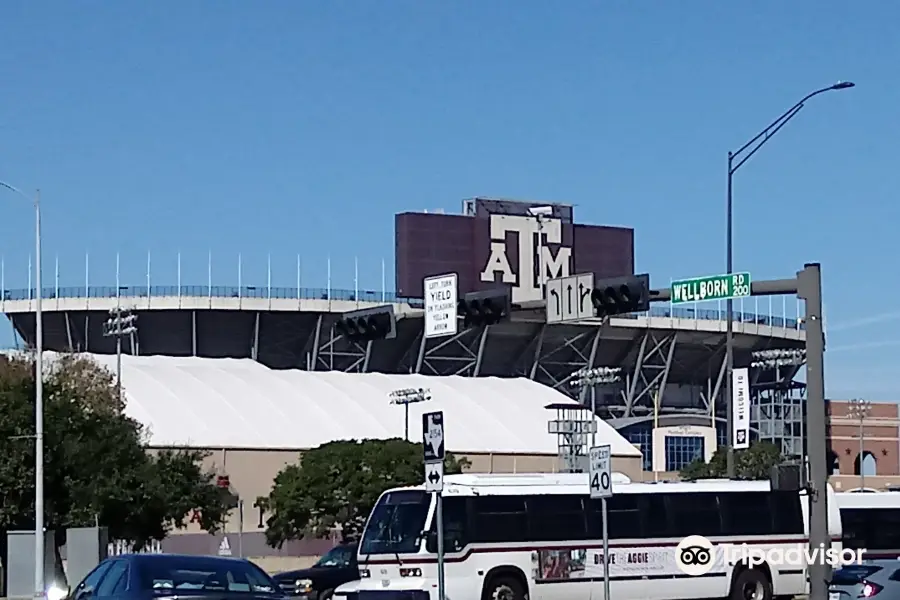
[(289, 127)]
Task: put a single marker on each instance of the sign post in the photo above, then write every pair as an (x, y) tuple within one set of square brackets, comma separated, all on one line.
[(715, 287), (441, 295), (433, 445), (600, 478)]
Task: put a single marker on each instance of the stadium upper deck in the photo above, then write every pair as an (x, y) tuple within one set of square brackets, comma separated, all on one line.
[(677, 351)]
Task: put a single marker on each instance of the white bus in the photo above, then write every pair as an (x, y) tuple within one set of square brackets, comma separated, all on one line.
[(871, 521), (510, 537)]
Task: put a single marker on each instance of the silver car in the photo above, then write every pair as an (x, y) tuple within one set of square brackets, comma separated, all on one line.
[(878, 579)]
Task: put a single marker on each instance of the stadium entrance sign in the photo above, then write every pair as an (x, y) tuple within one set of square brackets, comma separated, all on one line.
[(716, 287), (525, 278)]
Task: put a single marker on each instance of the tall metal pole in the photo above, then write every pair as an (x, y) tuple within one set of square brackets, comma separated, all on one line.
[(593, 414), (809, 287), (862, 473), (406, 421), (119, 359), (606, 594), (752, 147), (729, 327), (439, 508), (39, 588)]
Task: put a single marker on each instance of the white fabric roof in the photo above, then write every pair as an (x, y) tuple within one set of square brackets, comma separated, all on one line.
[(239, 403)]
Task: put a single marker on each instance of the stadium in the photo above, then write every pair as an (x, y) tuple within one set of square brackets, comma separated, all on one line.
[(283, 371)]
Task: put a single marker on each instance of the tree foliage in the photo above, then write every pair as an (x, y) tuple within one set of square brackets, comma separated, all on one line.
[(97, 469), (338, 483), (753, 463)]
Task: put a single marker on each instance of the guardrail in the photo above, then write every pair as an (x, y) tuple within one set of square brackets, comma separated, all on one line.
[(293, 293)]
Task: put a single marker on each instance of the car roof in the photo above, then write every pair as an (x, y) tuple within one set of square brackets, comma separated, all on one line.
[(153, 557)]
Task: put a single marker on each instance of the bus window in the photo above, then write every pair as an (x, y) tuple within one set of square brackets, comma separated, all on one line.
[(500, 519), (748, 513), (694, 514), (455, 526), (787, 513), (624, 517), (656, 521), (396, 523), (555, 518)]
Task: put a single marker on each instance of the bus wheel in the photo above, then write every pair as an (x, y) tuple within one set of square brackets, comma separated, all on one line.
[(751, 584), (504, 587)]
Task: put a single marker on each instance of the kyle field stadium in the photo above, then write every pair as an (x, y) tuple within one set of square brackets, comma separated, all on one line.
[(285, 388)]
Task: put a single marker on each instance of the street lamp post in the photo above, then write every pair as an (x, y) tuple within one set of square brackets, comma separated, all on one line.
[(407, 396), (39, 588), (859, 410), (735, 161)]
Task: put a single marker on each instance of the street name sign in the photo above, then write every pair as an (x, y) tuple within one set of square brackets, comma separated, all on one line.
[(440, 305), (600, 471), (715, 287), (569, 298), (433, 437)]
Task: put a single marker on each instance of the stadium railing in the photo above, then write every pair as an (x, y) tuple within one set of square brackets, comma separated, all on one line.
[(292, 293)]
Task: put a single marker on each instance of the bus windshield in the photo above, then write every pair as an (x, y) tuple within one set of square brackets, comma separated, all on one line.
[(396, 523)]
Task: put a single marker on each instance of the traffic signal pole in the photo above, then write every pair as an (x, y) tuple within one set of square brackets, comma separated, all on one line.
[(807, 285), (631, 294)]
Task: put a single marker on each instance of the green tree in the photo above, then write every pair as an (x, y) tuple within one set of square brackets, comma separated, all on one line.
[(754, 463), (96, 465), (338, 483)]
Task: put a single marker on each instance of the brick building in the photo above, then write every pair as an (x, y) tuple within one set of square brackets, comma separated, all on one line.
[(879, 427)]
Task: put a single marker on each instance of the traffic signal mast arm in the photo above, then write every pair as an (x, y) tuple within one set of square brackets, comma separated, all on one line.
[(771, 287)]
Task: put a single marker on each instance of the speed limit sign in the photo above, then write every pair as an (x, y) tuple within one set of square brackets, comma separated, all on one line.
[(600, 472)]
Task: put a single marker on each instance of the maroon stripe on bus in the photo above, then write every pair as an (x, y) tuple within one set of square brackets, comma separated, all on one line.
[(417, 560)]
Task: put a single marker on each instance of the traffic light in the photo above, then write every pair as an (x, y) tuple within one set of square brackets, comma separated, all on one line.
[(368, 324), (621, 295), (484, 308)]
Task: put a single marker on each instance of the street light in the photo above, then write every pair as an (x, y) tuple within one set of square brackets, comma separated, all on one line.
[(407, 396), (753, 145), (591, 378), (860, 409), (38, 397), (121, 323)]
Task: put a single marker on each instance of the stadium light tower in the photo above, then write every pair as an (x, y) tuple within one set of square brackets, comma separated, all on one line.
[(860, 409), (121, 322), (736, 160), (39, 587), (407, 396), (591, 378)]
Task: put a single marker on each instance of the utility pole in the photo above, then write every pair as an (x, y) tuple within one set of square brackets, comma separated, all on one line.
[(40, 587), (121, 322), (405, 397), (860, 409)]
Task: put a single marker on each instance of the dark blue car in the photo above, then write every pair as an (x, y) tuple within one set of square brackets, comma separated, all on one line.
[(151, 576)]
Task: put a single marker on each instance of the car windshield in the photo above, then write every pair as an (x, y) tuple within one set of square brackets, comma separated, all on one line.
[(169, 575), (396, 523), (853, 574), (338, 556)]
